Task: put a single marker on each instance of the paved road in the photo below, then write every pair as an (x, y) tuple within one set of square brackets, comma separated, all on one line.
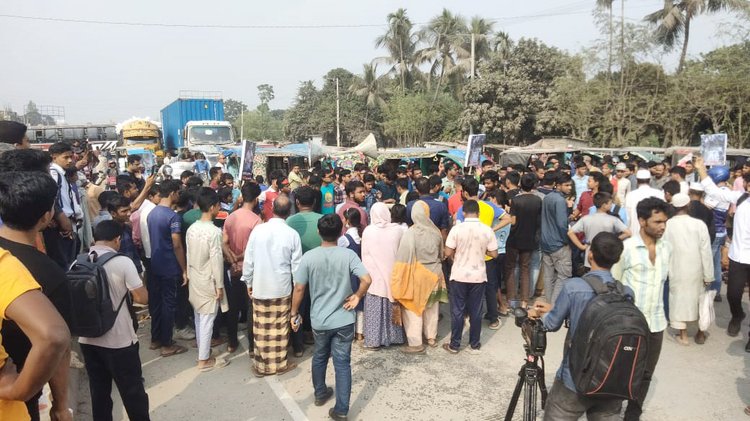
[(709, 382)]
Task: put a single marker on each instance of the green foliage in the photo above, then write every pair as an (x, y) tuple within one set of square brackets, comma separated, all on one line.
[(413, 118), (233, 109)]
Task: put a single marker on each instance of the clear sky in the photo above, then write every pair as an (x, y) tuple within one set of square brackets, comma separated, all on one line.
[(107, 73)]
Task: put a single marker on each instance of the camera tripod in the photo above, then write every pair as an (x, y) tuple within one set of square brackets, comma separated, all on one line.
[(530, 377)]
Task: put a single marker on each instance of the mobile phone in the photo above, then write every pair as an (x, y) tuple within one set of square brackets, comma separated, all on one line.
[(297, 321)]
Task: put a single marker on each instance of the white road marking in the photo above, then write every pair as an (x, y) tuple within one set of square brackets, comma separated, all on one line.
[(278, 389)]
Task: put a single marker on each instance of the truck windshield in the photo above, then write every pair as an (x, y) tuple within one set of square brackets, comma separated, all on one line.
[(210, 134)]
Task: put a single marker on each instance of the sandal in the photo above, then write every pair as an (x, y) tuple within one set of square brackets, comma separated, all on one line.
[(214, 363), (413, 350), (747, 410), (289, 367), (218, 341), (447, 347), (257, 373), (432, 343), (173, 350), (154, 345), (231, 349)]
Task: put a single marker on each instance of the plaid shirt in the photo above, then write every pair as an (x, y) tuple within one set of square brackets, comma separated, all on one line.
[(646, 280), (339, 194), (370, 199)]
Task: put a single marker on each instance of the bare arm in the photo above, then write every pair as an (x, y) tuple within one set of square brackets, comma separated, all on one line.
[(297, 296), (50, 340), (625, 234), (136, 204), (179, 253), (504, 221), (574, 239), (492, 253), (58, 384), (140, 295), (354, 299), (449, 252)]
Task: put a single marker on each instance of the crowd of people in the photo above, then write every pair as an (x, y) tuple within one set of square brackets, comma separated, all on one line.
[(331, 256)]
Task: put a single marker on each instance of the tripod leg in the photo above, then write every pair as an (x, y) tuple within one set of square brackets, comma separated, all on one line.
[(516, 395), (542, 385), (529, 413)]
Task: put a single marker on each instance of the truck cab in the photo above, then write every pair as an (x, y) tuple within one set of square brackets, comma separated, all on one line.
[(140, 134), (207, 133)]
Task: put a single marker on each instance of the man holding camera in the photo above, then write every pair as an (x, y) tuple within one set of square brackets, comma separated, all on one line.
[(563, 402)]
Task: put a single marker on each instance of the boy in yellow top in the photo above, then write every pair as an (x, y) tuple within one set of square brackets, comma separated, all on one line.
[(22, 301)]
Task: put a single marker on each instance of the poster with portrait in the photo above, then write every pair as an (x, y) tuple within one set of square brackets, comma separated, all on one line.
[(474, 150), (248, 153), (714, 148)]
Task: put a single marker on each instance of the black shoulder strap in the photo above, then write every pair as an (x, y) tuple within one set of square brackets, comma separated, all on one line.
[(596, 284), (742, 198), (101, 261)]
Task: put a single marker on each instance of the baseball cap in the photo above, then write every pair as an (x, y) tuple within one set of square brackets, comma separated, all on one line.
[(621, 166), (643, 175), (680, 200)]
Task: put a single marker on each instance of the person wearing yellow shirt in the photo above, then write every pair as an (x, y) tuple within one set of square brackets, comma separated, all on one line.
[(22, 301)]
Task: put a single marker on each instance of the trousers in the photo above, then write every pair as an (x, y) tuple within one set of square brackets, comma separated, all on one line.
[(416, 325), (123, 366), (515, 256), (204, 327), (564, 404), (739, 276), (558, 267), (635, 407)]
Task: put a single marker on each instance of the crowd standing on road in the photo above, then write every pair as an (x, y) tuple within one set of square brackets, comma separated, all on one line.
[(332, 257)]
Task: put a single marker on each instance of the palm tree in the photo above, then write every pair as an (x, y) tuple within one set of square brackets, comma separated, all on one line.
[(482, 30), (673, 20), (401, 44), (371, 87), (444, 38)]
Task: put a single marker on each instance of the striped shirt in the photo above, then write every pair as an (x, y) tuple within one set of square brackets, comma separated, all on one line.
[(636, 271)]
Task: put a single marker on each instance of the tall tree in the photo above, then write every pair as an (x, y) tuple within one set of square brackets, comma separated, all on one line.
[(444, 36), (371, 87), (607, 4), (233, 109), (482, 30), (401, 43), (673, 20)]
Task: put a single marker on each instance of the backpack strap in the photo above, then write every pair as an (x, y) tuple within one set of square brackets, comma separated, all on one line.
[(596, 284), (100, 261), (742, 198)]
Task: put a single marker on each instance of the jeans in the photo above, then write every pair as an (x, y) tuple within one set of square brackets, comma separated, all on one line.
[(716, 250), (739, 276), (184, 309), (162, 305), (665, 298), (558, 267), (336, 343), (490, 290), (635, 408), (535, 267), (523, 258), (122, 365), (564, 404), (466, 298)]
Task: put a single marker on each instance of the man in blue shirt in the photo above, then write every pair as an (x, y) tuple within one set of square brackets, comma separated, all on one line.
[(168, 270), (438, 210), (563, 402), (327, 271), (556, 257)]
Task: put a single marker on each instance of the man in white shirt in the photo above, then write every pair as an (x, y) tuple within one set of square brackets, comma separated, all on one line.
[(739, 250), (62, 242), (623, 183), (273, 254), (114, 355), (643, 191)]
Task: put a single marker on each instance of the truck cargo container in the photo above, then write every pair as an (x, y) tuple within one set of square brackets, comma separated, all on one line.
[(206, 125)]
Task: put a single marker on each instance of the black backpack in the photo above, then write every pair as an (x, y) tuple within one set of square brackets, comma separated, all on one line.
[(608, 352), (91, 305)]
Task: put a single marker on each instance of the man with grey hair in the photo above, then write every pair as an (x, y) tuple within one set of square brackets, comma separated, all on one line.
[(273, 254)]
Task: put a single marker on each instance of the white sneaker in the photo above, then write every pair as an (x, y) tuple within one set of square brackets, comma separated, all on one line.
[(186, 334)]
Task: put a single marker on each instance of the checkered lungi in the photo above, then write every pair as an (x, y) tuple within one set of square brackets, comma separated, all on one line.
[(271, 330)]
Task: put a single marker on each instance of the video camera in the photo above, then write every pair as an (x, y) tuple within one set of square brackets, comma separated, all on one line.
[(532, 331)]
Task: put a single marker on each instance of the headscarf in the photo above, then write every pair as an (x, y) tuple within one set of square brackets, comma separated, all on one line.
[(380, 242), (417, 279)]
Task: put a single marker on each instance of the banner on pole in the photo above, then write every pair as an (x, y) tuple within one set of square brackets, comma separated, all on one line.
[(714, 148), (246, 164), (474, 150)]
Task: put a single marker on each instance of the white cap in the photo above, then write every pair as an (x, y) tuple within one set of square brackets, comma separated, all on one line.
[(643, 175), (621, 167), (695, 186), (680, 200)]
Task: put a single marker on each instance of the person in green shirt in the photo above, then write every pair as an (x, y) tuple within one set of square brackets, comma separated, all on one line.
[(305, 221)]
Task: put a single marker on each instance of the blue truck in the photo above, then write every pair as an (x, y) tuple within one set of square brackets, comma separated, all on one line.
[(190, 123)]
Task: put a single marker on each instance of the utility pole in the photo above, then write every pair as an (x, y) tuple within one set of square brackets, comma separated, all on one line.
[(473, 42), (338, 116)]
